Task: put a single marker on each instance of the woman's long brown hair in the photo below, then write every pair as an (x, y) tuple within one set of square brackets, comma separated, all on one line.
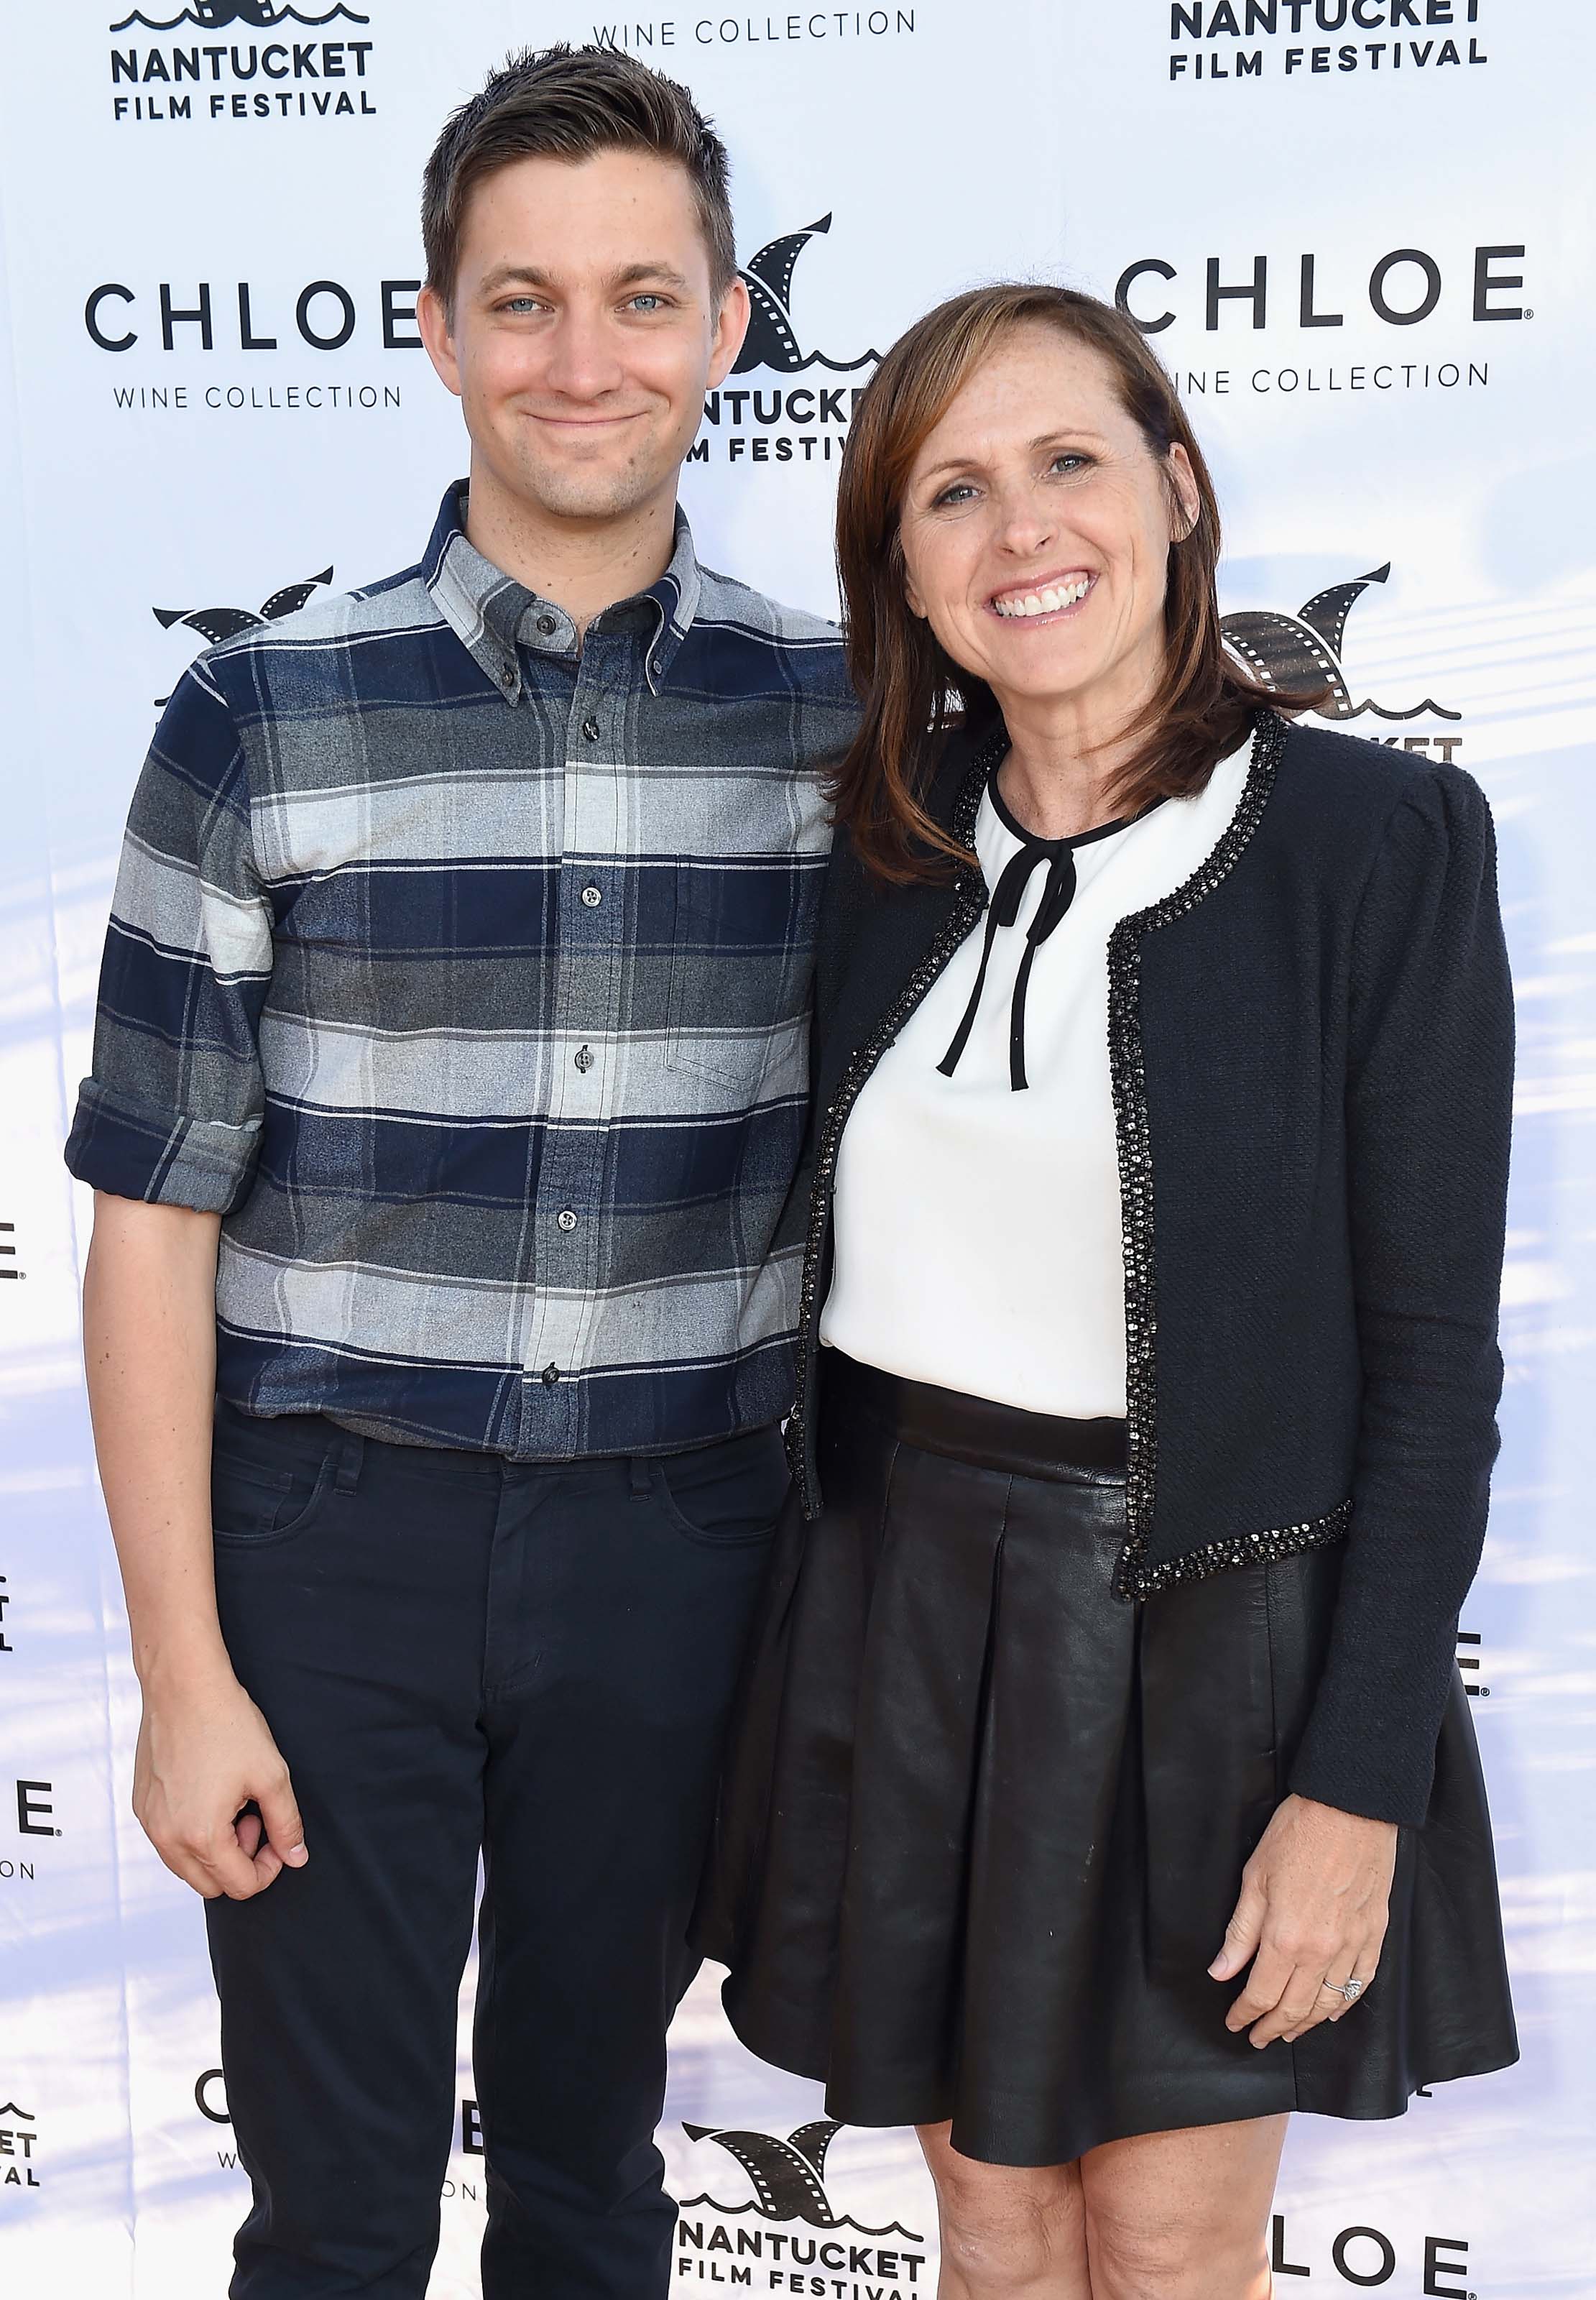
[(911, 690)]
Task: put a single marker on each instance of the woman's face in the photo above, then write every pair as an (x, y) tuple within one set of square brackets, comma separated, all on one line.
[(1036, 525)]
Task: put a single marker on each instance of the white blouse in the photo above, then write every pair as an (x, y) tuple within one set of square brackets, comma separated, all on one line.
[(977, 1227)]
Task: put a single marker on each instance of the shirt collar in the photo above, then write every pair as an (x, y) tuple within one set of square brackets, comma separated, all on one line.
[(493, 616)]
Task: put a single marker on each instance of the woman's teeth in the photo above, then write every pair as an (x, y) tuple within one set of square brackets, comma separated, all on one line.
[(1046, 601)]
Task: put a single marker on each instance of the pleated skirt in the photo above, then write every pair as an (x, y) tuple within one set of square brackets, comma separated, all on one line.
[(982, 1823)]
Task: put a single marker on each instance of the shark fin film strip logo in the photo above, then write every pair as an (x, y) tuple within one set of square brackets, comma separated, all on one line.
[(784, 423), (215, 624), (772, 338), (1304, 651)]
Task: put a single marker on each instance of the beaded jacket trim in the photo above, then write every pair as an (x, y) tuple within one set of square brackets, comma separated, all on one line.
[(969, 900), (1133, 1578), (1136, 1582)]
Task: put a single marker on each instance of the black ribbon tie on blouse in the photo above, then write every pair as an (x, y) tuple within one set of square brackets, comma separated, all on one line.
[(1003, 911)]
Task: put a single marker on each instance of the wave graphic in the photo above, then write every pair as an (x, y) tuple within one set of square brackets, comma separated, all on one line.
[(256, 15), (893, 2228), (1436, 711), (837, 367)]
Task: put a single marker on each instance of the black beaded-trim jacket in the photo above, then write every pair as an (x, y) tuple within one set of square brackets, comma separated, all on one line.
[(1311, 1048)]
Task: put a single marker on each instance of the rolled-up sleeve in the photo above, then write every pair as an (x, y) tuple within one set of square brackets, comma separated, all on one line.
[(172, 1113), (1429, 1102)]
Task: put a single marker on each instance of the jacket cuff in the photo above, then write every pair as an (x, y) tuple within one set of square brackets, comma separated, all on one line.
[(1353, 1784)]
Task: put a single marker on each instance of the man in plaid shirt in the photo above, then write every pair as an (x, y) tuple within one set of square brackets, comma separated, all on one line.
[(449, 1082)]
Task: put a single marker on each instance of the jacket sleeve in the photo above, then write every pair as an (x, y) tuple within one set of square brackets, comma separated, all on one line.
[(833, 941), (172, 1113), (1429, 1095)]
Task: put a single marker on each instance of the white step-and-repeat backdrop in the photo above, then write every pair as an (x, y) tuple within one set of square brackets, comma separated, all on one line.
[(1361, 233)]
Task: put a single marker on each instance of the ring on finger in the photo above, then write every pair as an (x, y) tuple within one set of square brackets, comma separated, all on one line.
[(1349, 1990)]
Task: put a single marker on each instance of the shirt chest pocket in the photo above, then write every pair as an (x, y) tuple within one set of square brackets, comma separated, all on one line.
[(741, 963)]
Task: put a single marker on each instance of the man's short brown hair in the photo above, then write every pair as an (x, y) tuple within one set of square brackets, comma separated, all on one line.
[(565, 104)]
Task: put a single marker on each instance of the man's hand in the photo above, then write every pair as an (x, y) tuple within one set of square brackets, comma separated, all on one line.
[(205, 1753), (1312, 1910)]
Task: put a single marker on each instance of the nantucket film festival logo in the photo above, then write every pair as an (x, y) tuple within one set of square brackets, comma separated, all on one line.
[(788, 2236), (783, 420), (275, 63), (1305, 648), (1238, 41), (20, 2165)]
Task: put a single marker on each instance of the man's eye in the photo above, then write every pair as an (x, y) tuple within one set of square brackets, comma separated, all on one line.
[(647, 301), (518, 303)]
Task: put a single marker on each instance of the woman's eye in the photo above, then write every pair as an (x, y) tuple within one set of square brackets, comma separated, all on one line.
[(960, 492), (1070, 462)]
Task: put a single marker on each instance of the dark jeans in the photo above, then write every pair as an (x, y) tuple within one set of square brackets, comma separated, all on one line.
[(459, 1654)]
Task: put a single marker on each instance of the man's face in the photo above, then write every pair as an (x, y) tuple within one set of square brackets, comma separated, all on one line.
[(585, 331)]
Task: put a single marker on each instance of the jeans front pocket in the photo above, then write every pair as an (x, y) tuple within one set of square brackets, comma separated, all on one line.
[(724, 1496), (256, 1499)]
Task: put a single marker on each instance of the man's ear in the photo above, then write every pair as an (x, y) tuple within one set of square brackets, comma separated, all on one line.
[(731, 326), (437, 335)]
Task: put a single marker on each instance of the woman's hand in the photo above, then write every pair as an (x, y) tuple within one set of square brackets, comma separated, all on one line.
[(1313, 1908)]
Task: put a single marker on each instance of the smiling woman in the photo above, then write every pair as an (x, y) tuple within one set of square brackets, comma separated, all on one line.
[(1103, 1746), (939, 459)]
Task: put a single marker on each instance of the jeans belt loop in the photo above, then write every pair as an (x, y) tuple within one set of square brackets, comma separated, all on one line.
[(352, 1453), (642, 1477)]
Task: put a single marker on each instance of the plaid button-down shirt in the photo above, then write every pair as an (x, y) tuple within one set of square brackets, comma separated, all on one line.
[(466, 973)]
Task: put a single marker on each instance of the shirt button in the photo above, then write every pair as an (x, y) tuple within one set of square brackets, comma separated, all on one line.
[(590, 728), (592, 897), (551, 1375), (585, 1059), (658, 665), (567, 1219), (545, 624)]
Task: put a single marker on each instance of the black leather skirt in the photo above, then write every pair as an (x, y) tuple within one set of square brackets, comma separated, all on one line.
[(982, 1823)]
